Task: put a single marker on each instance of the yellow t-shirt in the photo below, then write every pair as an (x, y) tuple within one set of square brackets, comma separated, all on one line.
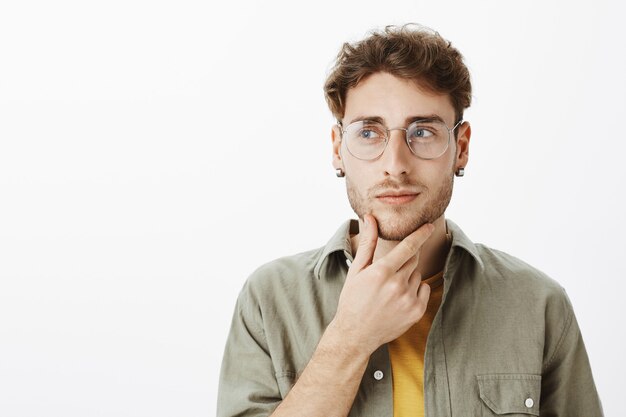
[(407, 357)]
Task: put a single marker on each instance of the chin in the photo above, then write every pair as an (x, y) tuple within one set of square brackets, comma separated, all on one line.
[(398, 229)]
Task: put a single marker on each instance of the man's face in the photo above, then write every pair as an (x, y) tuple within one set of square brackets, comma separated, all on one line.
[(399, 189)]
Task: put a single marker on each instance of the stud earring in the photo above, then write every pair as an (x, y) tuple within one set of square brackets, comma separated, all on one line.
[(339, 172), (460, 172)]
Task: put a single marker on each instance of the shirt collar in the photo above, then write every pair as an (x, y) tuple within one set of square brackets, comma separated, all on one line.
[(340, 242), (460, 240)]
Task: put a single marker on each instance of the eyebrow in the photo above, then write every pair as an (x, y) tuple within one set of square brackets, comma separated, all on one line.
[(407, 121)]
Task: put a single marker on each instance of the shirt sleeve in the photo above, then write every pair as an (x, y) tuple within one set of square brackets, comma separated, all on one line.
[(247, 385), (567, 382)]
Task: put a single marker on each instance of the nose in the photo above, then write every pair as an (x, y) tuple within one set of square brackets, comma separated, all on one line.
[(397, 158)]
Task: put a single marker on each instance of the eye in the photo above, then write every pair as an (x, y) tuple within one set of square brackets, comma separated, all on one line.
[(427, 133), (369, 133), (422, 133)]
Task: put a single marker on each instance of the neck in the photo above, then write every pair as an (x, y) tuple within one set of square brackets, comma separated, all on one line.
[(433, 254)]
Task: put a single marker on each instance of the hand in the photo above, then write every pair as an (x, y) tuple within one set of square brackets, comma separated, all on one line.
[(380, 301)]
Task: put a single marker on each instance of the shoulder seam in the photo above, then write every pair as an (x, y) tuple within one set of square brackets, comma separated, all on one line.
[(250, 319), (566, 327)]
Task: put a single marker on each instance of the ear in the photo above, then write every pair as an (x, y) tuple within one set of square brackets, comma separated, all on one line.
[(462, 145), (336, 138)]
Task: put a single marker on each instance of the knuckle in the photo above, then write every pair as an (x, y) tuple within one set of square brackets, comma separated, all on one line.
[(408, 302), (384, 269), (411, 246), (379, 274), (395, 286)]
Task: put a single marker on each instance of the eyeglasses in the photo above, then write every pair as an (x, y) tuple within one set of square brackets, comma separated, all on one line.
[(427, 139)]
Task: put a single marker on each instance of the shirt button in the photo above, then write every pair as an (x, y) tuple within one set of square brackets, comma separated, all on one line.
[(378, 375), (529, 403)]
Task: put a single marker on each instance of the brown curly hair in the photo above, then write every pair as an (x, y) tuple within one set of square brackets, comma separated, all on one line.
[(410, 52)]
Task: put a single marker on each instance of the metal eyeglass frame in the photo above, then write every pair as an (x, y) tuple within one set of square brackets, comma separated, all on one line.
[(406, 138)]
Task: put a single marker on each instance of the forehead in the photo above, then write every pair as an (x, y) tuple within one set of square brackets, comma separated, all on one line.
[(394, 100)]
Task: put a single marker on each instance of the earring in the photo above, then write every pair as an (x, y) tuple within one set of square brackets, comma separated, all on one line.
[(339, 172), (460, 172)]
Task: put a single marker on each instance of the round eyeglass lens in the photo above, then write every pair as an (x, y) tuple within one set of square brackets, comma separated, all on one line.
[(366, 140), (428, 140)]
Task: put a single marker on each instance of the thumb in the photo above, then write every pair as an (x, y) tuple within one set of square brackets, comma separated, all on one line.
[(367, 243)]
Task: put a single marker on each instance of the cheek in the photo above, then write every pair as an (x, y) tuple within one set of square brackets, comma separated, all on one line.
[(356, 183), (359, 178), (435, 173)]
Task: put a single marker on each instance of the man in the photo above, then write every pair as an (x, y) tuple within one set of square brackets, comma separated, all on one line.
[(400, 314)]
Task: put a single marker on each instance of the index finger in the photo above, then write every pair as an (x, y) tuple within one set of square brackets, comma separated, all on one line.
[(409, 246)]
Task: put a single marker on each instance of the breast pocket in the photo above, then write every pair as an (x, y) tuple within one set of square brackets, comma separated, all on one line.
[(510, 394)]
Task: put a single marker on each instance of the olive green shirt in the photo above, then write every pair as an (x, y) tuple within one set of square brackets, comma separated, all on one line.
[(505, 340)]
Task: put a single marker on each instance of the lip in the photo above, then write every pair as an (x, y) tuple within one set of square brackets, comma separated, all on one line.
[(397, 197)]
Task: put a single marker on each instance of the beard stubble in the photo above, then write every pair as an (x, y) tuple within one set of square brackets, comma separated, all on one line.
[(399, 222)]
